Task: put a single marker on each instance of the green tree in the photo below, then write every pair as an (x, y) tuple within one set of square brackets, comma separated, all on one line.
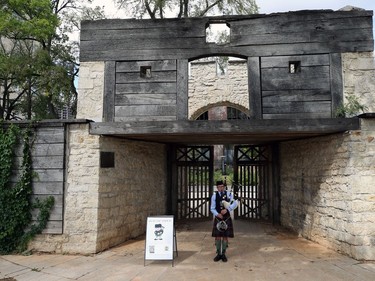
[(186, 8), (11, 77), (23, 25), (43, 61)]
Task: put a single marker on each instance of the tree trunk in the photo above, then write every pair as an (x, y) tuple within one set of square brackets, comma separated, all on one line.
[(29, 108), (186, 8)]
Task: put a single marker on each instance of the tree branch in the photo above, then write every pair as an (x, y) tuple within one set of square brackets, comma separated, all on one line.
[(209, 7), (149, 11)]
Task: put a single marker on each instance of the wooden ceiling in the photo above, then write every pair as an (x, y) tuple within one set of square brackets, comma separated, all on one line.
[(224, 132)]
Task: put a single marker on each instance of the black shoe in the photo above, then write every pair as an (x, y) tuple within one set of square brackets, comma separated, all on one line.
[(217, 258), (224, 258)]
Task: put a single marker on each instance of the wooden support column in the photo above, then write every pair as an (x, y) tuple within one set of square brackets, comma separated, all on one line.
[(336, 82), (171, 180), (109, 91), (254, 86), (182, 89), (275, 195)]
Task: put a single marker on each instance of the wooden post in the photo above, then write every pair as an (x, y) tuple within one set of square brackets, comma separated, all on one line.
[(109, 91), (182, 89), (255, 91), (275, 197), (336, 82)]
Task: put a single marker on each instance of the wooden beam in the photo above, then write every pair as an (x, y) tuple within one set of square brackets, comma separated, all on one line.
[(109, 91), (184, 127), (224, 132), (337, 90), (182, 89), (254, 87)]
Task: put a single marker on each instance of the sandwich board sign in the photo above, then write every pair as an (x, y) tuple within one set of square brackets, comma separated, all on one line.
[(160, 238)]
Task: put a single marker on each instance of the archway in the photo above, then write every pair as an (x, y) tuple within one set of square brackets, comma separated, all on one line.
[(217, 94)]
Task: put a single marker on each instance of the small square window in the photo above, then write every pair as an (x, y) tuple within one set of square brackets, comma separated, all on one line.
[(294, 67), (107, 159), (218, 33), (145, 71)]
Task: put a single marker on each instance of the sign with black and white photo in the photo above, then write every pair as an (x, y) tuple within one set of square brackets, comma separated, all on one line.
[(160, 242)]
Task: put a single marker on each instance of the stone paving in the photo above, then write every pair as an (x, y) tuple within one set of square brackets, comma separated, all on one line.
[(258, 252)]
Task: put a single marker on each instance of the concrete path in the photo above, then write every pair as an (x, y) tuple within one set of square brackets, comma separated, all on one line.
[(258, 252)]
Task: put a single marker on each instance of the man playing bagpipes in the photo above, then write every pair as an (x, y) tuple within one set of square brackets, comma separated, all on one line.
[(222, 203)]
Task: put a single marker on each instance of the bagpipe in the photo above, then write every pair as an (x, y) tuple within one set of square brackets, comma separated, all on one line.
[(235, 188), (221, 225)]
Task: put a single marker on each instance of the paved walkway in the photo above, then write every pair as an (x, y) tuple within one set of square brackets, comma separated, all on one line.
[(258, 252)]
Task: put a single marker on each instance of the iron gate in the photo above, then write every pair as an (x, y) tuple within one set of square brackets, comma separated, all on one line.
[(194, 177), (251, 182)]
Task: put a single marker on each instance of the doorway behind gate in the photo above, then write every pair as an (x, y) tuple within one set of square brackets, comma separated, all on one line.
[(193, 181)]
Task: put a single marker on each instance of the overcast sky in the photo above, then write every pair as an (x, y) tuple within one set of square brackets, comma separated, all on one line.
[(272, 6)]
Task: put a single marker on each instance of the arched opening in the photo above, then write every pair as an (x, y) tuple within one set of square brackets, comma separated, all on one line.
[(223, 112), (218, 90), (218, 81)]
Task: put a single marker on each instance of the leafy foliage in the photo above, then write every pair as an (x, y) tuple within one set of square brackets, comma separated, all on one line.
[(32, 19), (38, 62), (16, 227), (351, 107)]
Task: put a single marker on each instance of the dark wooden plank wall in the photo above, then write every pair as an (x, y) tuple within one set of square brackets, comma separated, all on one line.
[(304, 94), (140, 98), (303, 27), (268, 42), (48, 164), (294, 33)]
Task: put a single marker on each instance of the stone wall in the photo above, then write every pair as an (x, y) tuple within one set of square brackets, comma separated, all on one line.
[(107, 206), (359, 77), (208, 89), (81, 191), (131, 191), (327, 190), (91, 91)]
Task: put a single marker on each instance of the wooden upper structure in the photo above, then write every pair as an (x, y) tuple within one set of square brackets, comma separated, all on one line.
[(146, 73)]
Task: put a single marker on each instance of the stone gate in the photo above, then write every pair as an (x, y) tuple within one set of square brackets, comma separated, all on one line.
[(134, 105)]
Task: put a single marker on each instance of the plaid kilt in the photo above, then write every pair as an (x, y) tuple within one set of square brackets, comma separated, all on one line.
[(228, 232)]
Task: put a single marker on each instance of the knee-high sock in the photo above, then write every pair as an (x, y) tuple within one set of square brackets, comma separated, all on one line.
[(218, 246), (224, 246)]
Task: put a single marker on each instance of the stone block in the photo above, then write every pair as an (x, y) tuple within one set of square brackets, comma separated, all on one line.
[(363, 252)]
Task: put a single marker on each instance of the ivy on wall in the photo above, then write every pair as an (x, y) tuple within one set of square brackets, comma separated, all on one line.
[(16, 226)]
